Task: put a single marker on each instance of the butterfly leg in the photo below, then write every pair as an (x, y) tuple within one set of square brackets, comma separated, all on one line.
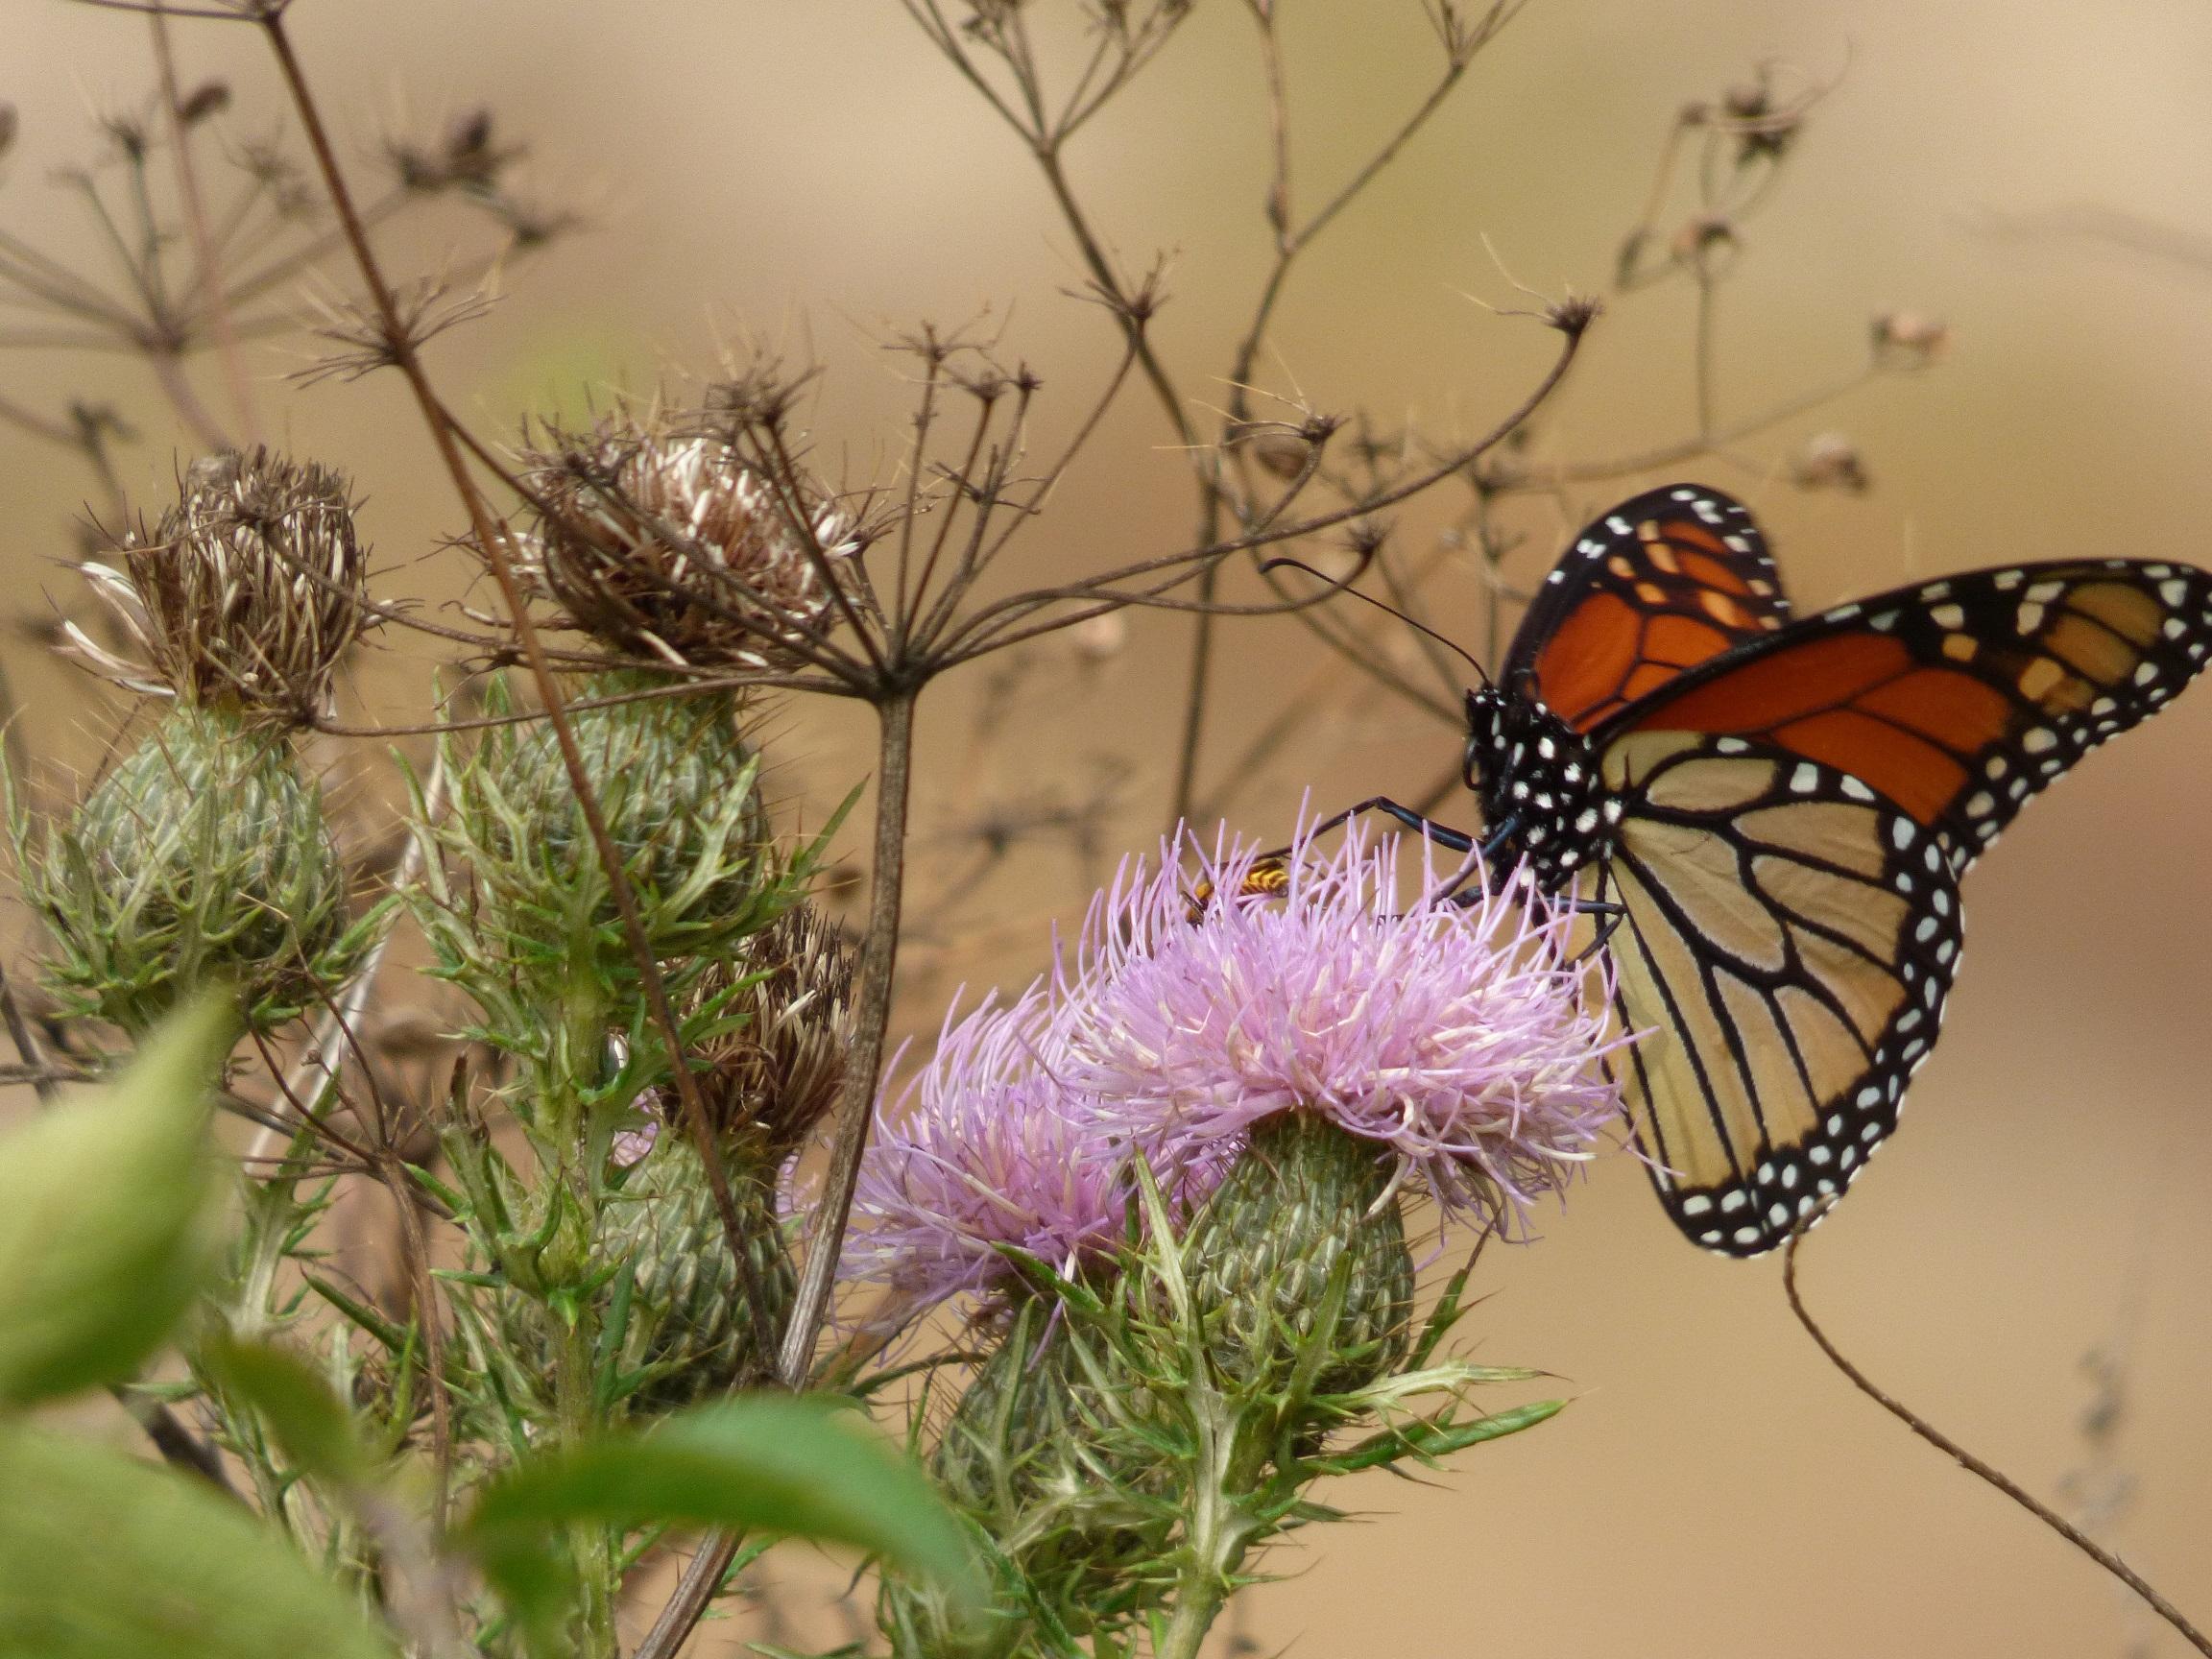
[(1443, 834), (1614, 914)]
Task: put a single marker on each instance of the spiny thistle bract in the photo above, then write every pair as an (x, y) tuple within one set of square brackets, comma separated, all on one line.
[(203, 854), (248, 593), (694, 1327), (657, 538)]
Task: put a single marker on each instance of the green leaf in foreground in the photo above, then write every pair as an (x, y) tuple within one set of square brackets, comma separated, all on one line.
[(105, 1557), (306, 1419), (770, 1463), (108, 1213)]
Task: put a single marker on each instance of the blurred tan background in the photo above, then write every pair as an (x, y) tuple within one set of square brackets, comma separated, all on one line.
[(816, 172)]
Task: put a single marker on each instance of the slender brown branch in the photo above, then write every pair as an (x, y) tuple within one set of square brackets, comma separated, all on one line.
[(220, 322), (1967, 1460), (988, 628)]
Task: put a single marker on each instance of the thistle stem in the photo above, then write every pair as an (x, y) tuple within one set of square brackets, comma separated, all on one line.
[(856, 1110)]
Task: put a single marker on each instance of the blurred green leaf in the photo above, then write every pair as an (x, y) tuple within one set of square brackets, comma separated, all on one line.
[(109, 1214), (771, 1462), (310, 1425), (105, 1557)]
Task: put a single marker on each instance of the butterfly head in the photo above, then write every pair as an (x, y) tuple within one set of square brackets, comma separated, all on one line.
[(1543, 797)]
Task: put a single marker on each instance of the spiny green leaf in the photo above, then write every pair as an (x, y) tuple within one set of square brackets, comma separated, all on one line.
[(103, 1558), (109, 1214), (1430, 1440)]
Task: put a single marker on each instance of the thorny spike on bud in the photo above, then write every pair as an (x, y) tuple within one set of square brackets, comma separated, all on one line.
[(657, 538), (248, 593)]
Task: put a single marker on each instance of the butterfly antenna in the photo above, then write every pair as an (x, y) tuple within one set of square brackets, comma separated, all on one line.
[(1451, 645)]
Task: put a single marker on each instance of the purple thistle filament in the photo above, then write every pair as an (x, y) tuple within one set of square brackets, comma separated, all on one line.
[(985, 1147), (1455, 1035)]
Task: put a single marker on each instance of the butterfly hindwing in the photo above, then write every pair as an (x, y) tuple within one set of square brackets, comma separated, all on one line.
[(1787, 945), (1661, 583), (1958, 699)]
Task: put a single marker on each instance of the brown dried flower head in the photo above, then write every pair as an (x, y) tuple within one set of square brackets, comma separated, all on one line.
[(659, 538), (248, 593), (770, 1082)]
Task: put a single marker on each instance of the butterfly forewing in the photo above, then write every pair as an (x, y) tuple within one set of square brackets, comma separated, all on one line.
[(1665, 582), (1787, 943), (1958, 699)]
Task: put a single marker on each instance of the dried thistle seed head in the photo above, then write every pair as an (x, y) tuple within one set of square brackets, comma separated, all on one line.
[(203, 855), (770, 1080), (661, 541), (248, 593)]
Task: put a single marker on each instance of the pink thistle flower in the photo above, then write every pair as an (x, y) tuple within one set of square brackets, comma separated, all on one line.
[(1452, 1035), (985, 1147)]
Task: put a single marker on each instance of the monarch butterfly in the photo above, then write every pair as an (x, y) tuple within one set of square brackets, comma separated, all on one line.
[(1772, 812)]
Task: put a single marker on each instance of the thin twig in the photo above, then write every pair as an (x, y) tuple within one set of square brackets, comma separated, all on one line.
[(1967, 1460)]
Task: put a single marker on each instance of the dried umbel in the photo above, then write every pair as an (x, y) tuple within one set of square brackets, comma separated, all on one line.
[(203, 855), (248, 593), (659, 539)]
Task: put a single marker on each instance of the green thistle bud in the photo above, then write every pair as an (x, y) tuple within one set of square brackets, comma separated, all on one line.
[(1051, 1464), (674, 780), (1304, 1223), (203, 855), (693, 1324)]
